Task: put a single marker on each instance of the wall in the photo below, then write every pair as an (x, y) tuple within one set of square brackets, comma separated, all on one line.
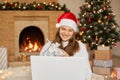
[(73, 5), (116, 9)]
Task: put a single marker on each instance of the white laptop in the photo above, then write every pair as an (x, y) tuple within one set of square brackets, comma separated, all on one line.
[(58, 68)]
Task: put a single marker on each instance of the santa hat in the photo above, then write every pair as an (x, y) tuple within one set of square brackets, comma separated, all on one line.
[(67, 19)]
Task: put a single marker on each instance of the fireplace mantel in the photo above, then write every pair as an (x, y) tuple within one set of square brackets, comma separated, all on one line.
[(12, 22)]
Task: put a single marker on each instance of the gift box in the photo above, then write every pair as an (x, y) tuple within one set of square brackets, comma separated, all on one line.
[(103, 47), (102, 71), (103, 54), (3, 58), (117, 73), (103, 63)]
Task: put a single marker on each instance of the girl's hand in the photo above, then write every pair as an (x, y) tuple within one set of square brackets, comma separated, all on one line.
[(64, 54)]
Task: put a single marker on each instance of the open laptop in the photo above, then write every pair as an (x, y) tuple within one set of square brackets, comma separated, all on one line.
[(58, 68)]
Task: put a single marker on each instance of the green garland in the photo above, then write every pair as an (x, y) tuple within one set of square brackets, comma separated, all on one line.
[(32, 6)]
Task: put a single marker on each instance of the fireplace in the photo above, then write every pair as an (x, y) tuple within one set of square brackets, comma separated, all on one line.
[(31, 32), (31, 40), (33, 26)]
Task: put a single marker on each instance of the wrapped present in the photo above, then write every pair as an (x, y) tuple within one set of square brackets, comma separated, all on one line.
[(103, 47), (103, 54), (3, 58), (52, 49), (102, 71), (103, 63)]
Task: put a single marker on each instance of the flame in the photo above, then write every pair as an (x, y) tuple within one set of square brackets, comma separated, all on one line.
[(31, 46), (114, 74)]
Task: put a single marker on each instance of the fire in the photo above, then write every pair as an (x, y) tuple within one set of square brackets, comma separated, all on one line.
[(31, 46)]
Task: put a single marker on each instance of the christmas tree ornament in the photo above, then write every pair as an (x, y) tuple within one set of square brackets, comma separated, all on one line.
[(96, 33), (91, 26), (24, 7), (3, 7), (105, 28), (91, 15), (34, 5), (39, 7), (83, 15), (81, 33), (91, 3), (84, 24), (89, 6), (89, 20), (115, 45), (82, 20), (88, 32), (105, 8), (59, 8), (81, 7), (108, 17), (56, 7), (52, 5), (10, 4), (95, 28), (94, 11), (15, 4), (96, 38), (83, 29), (100, 32), (99, 21), (44, 2), (80, 24), (78, 19), (105, 17)]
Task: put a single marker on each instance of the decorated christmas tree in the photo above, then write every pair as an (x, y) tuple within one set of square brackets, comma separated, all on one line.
[(97, 24)]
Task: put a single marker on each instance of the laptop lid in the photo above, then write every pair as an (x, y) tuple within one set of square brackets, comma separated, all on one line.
[(58, 68)]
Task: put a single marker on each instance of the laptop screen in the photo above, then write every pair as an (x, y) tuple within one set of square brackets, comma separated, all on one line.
[(58, 68)]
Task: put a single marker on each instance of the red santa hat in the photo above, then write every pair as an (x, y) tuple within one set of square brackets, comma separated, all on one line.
[(67, 19)]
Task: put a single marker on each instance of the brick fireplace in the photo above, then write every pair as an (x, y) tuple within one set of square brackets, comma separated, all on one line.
[(13, 24)]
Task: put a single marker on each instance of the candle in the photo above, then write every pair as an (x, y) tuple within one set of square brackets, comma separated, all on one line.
[(23, 57)]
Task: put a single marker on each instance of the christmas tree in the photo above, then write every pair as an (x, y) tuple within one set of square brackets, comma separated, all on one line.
[(97, 25)]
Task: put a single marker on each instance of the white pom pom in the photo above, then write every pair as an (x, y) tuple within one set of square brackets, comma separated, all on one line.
[(57, 25)]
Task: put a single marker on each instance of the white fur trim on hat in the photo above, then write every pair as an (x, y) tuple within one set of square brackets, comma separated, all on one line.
[(69, 23)]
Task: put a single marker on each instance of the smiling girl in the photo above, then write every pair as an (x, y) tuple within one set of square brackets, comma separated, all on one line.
[(65, 43)]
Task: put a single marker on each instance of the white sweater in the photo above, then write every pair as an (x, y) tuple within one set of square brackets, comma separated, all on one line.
[(83, 53)]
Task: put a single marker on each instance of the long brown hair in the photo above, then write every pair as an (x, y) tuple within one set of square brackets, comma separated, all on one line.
[(72, 46)]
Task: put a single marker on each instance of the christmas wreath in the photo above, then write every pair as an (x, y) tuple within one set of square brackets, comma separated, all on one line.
[(32, 6)]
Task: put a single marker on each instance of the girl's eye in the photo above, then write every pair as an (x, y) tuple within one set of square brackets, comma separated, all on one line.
[(63, 29), (70, 30)]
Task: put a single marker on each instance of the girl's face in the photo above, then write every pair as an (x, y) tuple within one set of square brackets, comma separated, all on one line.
[(66, 33)]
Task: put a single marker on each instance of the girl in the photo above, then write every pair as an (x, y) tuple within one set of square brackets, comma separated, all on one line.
[(65, 43)]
